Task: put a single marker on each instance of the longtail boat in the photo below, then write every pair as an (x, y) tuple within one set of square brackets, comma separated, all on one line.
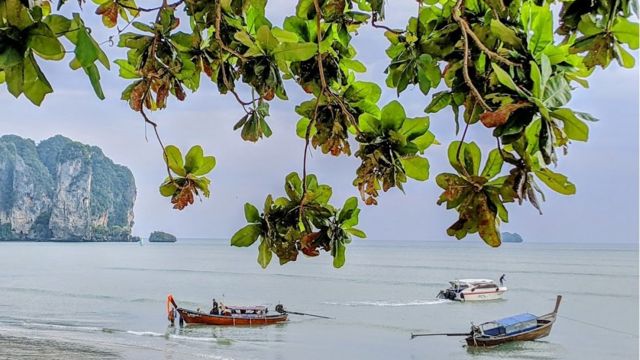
[(231, 316), (521, 327)]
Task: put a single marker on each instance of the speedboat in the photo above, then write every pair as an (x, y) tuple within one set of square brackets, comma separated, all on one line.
[(472, 290)]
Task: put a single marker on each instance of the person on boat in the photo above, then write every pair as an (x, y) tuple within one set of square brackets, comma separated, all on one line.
[(214, 308), (502, 278)]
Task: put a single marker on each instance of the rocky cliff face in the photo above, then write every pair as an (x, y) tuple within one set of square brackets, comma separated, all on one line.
[(63, 190)]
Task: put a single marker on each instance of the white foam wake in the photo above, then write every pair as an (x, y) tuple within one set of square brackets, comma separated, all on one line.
[(388, 303)]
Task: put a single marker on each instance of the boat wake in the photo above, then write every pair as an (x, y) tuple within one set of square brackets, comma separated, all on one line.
[(388, 303)]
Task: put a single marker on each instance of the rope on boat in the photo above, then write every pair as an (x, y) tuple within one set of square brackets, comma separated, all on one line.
[(598, 326)]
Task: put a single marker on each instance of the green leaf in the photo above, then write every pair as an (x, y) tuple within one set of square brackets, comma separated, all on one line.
[(626, 32), (10, 57), (86, 52), (127, 71), (295, 51), (348, 208), (369, 123), (505, 33), (168, 189), (440, 101), (44, 42), (339, 257), (557, 182), (208, 163), (504, 78), (94, 77), (536, 77), (194, 159), (538, 24), (284, 35), (173, 158), (264, 254), (266, 40), (251, 213), (472, 157), (493, 165), (357, 233), (354, 65), (392, 116), (557, 92), (246, 236), (575, 128), (416, 167), (57, 23), (35, 85), (424, 141), (488, 224), (625, 59)]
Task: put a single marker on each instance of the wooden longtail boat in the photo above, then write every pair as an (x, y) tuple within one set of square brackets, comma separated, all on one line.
[(522, 327), (233, 316)]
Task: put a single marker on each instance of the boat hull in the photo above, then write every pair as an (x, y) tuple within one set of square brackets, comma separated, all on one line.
[(193, 317), (482, 295), (542, 330)]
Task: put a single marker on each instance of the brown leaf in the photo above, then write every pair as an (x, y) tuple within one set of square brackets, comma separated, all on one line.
[(184, 198), (308, 239), (177, 87), (137, 94), (500, 116)]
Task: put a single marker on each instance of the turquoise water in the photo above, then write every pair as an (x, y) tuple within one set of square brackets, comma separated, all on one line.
[(107, 300)]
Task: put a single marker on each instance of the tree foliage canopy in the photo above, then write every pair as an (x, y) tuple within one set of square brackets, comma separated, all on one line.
[(509, 66)]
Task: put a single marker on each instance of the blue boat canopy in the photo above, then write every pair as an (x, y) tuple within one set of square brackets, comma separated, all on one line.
[(511, 325), (516, 319)]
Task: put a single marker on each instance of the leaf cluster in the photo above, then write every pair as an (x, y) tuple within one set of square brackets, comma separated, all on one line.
[(187, 176), (302, 222)]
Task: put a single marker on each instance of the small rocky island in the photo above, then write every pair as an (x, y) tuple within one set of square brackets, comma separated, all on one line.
[(511, 237), (159, 236), (62, 190)]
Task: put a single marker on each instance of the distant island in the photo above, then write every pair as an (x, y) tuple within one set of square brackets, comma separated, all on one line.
[(159, 236), (62, 190), (511, 237)]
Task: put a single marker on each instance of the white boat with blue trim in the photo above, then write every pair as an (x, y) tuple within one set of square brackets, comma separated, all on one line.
[(472, 290)]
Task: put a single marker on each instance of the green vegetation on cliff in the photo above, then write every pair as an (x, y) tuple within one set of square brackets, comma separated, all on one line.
[(63, 190)]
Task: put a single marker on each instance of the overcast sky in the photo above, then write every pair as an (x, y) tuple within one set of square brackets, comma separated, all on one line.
[(605, 170)]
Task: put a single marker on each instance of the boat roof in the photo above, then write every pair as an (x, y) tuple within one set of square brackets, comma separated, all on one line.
[(255, 308), (516, 319), (474, 281)]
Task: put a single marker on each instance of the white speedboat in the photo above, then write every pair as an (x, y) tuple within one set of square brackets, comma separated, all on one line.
[(472, 290)]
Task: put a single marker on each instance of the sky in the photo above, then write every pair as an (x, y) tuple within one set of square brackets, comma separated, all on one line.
[(605, 170)]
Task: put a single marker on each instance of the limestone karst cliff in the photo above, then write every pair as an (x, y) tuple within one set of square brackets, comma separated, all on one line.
[(63, 190)]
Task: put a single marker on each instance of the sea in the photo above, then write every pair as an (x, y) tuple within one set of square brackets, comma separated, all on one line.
[(108, 300)]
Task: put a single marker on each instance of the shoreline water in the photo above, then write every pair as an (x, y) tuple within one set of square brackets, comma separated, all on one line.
[(110, 298)]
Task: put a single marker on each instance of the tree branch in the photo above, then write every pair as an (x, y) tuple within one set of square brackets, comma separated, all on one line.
[(465, 67)]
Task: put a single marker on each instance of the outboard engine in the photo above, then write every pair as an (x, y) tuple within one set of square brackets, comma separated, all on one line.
[(447, 294)]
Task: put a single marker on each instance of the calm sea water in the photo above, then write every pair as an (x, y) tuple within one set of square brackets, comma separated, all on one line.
[(107, 301)]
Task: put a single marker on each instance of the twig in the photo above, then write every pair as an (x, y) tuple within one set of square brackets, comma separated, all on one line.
[(378, 26), (465, 68), (319, 37), (233, 91), (141, 9), (323, 84), (219, 38), (492, 55), (164, 151), (464, 134)]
